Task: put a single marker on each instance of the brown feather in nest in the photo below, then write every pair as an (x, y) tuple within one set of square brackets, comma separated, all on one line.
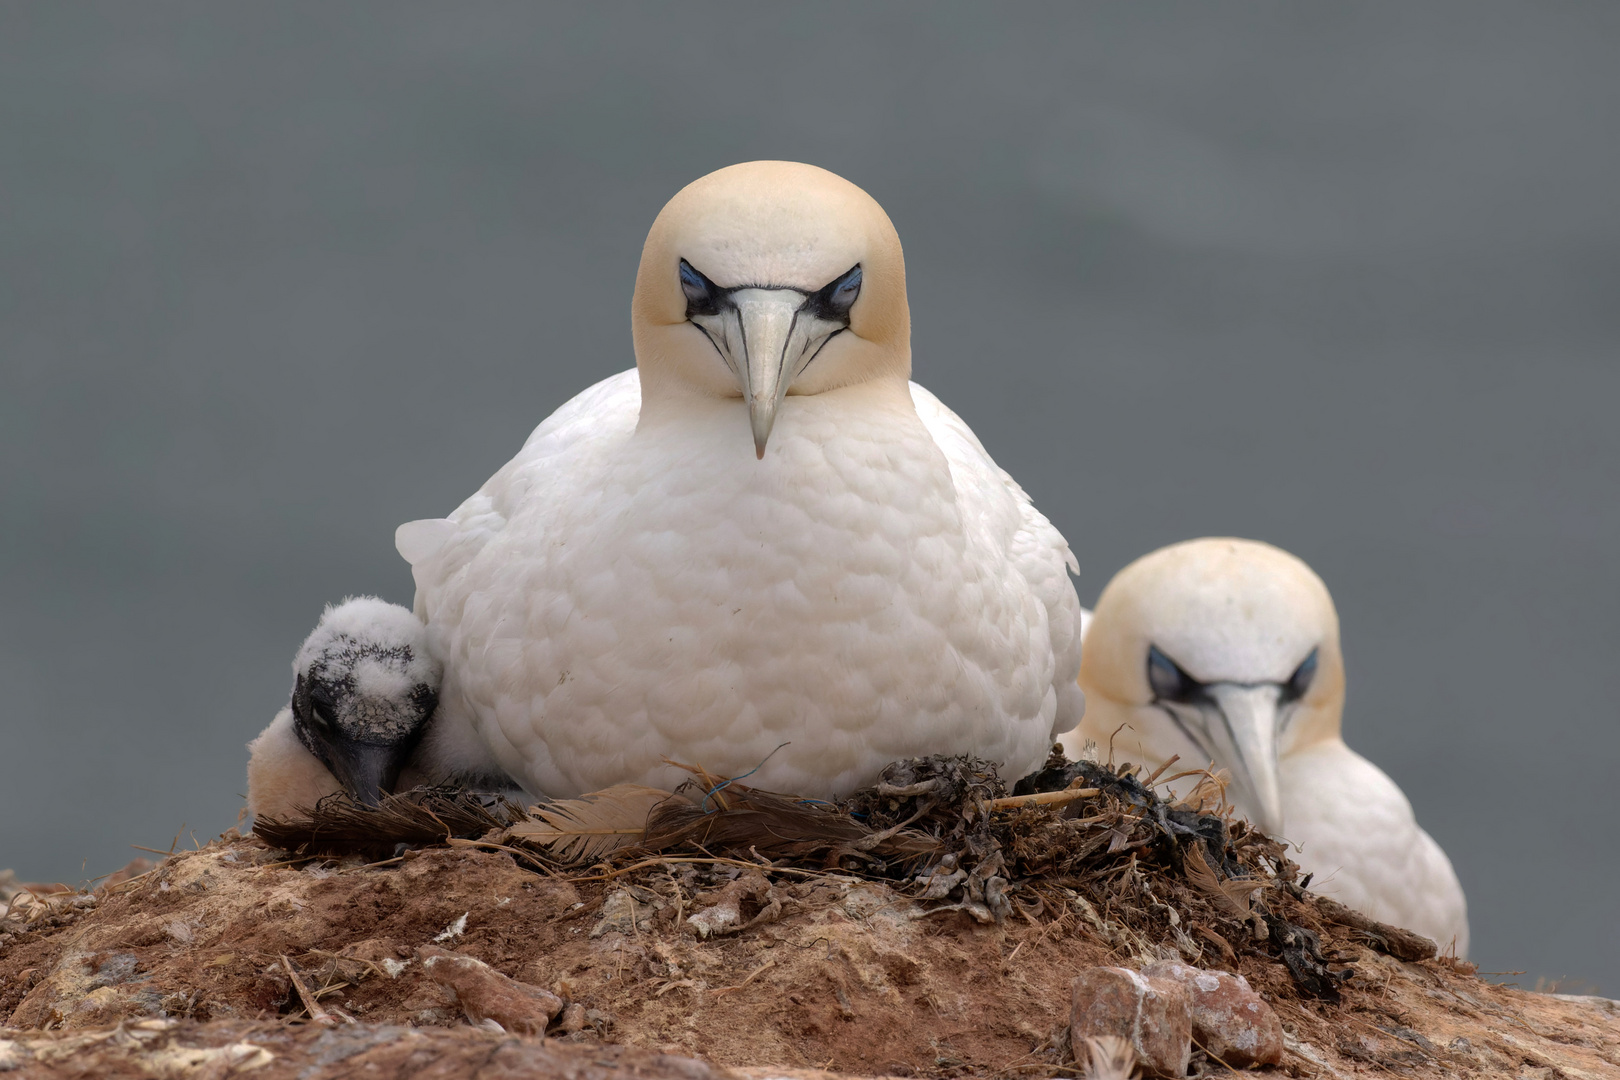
[(1108, 1057), (337, 825), (777, 826), (1230, 897), (589, 827)]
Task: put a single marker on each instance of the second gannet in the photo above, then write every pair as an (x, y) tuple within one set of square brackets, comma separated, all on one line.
[(763, 550), (1227, 650)]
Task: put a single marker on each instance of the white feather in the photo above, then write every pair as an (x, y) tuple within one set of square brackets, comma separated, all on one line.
[(874, 588), (1241, 613)]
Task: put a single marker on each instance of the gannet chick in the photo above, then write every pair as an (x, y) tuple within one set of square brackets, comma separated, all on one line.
[(1228, 651), (762, 535), (364, 686)]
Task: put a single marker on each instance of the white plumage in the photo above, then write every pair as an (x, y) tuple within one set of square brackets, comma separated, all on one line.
[(1228, 650), (644, 580)]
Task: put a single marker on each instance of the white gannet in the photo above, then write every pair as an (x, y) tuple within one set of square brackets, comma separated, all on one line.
[(364, 686), (1228, 651), (762, 534)]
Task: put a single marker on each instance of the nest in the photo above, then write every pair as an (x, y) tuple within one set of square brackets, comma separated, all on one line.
[(1083, 841)]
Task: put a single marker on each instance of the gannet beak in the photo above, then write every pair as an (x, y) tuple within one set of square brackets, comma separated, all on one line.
[(1247, 722), (767, 337), (365, 769), (768, 319)]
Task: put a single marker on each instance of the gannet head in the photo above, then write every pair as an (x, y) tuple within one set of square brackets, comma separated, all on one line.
[(1218, 650), (766, 279), (364, 687)]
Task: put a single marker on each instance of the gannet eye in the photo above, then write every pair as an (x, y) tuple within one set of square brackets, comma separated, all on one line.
[(1168, 681), (702, 295), (834, 301), (323, 713), (1300, 680)]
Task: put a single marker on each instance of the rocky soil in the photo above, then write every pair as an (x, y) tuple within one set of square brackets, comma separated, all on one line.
[(212, 963), (931, 925)]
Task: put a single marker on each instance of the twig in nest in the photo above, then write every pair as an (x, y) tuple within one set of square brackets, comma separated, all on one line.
[(1209, 794), (1156, 773), (712, 785), (369, 965), (660, 859), (752, 975), (490, 845), (1045, 798), (317, 1015)]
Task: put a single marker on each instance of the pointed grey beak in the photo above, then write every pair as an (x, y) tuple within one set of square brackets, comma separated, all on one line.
[(1244, 735), (767, 337), (769, 324)]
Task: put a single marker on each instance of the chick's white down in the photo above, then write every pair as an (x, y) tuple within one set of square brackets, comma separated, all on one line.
[(364, 688)]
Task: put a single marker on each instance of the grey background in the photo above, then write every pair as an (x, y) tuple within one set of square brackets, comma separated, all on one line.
[(279, 277)]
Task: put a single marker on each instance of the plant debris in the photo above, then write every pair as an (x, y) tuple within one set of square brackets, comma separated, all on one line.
[(925, 926), (942, 829)]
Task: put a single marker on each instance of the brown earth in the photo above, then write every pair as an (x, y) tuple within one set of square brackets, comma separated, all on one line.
[(187, 971)]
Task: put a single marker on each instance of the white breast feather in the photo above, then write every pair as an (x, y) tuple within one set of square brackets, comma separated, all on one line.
[(1358, 835), (875, 588)]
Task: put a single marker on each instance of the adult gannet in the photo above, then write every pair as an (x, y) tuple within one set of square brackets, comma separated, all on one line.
[(760, 535), (364, 686), (1228, 651)]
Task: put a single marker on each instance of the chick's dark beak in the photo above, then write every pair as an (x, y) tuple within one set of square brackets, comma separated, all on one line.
[(366, 770)]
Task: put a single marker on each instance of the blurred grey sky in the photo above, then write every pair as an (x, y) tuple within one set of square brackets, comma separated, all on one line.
[(1344, 278)]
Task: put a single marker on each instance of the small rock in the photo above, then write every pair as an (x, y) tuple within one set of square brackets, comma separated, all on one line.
[(573, 1019), (485, 994), (627, 911), (1154, 1014), (1229, 1019), (13, 1055), (724, 913)]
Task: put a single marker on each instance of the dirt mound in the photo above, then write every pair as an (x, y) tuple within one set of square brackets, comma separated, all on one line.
[(948, 961), (170, 1048)]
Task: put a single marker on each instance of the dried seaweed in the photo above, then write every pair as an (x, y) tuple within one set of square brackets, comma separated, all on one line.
[(1123, 848), (1399, 943), (1137, 867), (1301, 952)]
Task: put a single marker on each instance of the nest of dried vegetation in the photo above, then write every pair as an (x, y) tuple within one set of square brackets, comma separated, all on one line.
[(927, 925), (1074, 840)]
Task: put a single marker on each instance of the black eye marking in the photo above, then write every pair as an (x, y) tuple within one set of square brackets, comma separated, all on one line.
[(1300, 681), (312, 703), (833, 301), (1169, 682), (703, 297), (322, 707)]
